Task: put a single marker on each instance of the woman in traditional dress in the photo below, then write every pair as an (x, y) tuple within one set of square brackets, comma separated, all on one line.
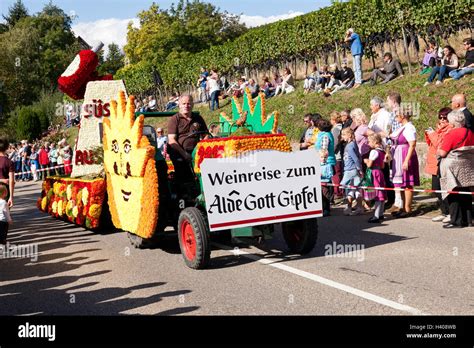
[(405, 166)]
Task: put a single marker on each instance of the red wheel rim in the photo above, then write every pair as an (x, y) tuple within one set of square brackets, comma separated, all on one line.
[(294, 233), (189, 241)]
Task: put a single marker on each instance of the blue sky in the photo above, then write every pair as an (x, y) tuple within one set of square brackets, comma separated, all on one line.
[(90, 10), (106, 20)]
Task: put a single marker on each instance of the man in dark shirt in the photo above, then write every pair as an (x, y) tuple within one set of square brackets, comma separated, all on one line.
[(468, 67), (182, 137), (347, 75), (391, 69)]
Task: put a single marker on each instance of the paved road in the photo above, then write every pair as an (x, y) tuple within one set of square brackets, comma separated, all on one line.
[(405, 267)]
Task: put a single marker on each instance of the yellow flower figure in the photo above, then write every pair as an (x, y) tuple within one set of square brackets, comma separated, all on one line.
[(132, 181)]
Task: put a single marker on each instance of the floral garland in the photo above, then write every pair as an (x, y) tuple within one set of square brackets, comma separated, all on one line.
[(74, 200), (237, 145)]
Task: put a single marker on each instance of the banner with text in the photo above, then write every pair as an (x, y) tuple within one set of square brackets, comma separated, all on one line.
[(261, 187)]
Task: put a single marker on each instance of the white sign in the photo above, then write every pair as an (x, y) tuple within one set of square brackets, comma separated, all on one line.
[(96, 106), (261, 187)]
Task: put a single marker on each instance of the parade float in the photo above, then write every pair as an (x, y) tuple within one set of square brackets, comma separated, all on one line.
[(81, 197), (246, 181)]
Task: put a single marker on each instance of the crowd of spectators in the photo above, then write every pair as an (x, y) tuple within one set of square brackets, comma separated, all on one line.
[(34, 161), (380, 151)]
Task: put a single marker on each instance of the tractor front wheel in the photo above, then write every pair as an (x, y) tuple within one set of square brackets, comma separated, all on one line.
[(300, 235), (193, 238)]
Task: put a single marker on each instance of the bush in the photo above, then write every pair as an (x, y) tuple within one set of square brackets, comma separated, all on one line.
[(29, 124), (46, 107)]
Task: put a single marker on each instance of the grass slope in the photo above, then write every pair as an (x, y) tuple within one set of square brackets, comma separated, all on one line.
[(292, 107)]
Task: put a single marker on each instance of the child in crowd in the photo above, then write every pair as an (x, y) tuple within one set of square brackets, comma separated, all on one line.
[(352, 172), (5, 218), (34, 162), (374, 176), (326, 175), (67, 160)]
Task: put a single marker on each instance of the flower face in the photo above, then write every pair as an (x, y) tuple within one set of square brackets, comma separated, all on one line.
[(132, 182)]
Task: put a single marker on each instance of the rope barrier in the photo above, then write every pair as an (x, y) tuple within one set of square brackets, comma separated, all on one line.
[(39, 170), (396, 189), (325, 184)]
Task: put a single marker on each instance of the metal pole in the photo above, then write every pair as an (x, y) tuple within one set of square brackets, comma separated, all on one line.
[(406, 48)]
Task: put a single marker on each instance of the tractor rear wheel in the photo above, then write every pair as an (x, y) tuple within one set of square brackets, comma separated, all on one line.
[(193, 238), (300, 235)]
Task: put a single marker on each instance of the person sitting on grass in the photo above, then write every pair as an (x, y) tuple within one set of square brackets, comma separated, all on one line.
[(450, 62), (267, 88), (311, 80), (468, 66), (390, 70), (287, 85), (429, 59), (254, 88), (347, 78)]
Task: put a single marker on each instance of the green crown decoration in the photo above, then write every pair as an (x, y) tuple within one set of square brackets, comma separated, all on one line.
[(249, 115)]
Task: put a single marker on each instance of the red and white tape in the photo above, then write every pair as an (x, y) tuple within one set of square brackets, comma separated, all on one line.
[(325, 184), (395, 189), (40, 170)]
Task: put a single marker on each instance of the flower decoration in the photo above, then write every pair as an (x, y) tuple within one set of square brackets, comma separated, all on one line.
[(72, 199), (132, 181), (81, 71), (69, 192), (85, 196), (235, 146), (256, 119)]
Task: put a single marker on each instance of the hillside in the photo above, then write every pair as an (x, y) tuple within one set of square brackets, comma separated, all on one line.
[(293, 106)]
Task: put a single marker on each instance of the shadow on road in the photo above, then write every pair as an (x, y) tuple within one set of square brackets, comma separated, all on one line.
[(333, 231), (43, 285)]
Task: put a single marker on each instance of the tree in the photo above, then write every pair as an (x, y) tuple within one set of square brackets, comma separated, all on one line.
[(114, 60), (188, 27), (15, 12), (29, 124), (33, 54)]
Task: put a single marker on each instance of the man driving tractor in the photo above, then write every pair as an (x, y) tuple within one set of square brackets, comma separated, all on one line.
[(184, 130)]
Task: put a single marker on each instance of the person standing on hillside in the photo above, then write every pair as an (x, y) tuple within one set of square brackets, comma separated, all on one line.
[(202, 84), (357, 51)]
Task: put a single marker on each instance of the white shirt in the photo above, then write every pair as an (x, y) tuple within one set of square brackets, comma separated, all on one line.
[(409, 132), (152, 103), (213, 85), (4, 211), (161, 141), (373, 155), (380, 121)]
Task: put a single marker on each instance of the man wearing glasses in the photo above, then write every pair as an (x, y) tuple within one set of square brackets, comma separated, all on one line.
[(468, 67)]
